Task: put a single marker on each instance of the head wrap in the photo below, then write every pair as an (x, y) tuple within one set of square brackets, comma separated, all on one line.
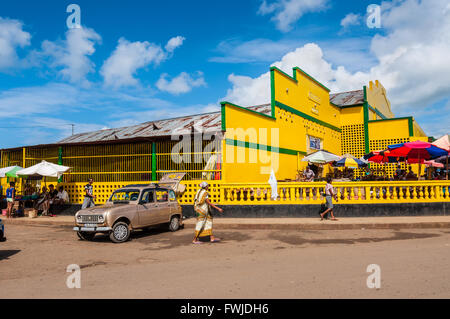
[(204, 184)]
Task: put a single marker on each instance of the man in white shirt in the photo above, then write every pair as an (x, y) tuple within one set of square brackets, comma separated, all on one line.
[(62, 197)]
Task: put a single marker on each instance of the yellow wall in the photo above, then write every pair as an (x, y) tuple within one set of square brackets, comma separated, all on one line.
[(305, 95), (352, 115), (389, 129), (297, 103)]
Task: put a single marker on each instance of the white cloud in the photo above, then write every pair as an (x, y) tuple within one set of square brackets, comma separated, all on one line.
[(350, 20), (128, 57), (411, 60), (287, 12), (12, 37), (174, 43), (182, 83), (249, 91), (71, 56)]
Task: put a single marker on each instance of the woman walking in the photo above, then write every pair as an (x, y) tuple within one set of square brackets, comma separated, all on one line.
[(329, 194), (202, 206)]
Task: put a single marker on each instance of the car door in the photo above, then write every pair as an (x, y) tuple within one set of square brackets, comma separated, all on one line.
[(147, 208), (162, 205)]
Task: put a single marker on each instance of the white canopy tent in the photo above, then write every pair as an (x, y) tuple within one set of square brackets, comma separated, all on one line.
[(44, 169), (321, 157)]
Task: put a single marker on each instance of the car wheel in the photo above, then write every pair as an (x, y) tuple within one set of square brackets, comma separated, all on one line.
[(86, 235), (120, 232), (174, 224)]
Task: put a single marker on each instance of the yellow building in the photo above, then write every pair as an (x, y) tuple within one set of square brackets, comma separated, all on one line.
[(249, 142), (305, 117)]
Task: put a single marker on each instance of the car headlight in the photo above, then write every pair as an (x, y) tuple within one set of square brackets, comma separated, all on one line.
[(101, 219), (79, 217)]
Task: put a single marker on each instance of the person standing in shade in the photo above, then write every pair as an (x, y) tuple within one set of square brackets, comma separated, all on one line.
[(89, 195), (329, 194), (309, 174), (202, 206), (10, 197)]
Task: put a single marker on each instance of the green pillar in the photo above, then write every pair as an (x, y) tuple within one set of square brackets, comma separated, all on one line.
[(60, 160), (153, 161)]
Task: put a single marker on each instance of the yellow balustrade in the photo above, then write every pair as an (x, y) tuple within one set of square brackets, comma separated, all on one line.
[(291, 192)]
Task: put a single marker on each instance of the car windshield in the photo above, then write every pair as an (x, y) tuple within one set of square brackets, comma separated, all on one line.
[(124, 195)]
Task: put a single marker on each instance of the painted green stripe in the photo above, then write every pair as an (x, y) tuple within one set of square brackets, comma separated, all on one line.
[(409, 118), (153, 161), (246, 109), (377, 112), (222, 111), (366, 121), (272, 91), (393, 119), (347, 106), (310, 77), (306, 116), (263, 147), (410, 126), (293, 79)]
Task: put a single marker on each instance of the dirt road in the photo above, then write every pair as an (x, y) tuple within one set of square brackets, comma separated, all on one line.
[(246, 264)]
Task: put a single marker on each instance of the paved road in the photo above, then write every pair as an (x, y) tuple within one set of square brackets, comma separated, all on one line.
[(246, 264)]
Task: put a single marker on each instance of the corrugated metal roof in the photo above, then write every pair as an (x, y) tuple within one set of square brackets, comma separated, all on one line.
[(206, 123), (347, 98)]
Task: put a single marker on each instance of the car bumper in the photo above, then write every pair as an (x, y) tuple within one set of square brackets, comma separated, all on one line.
[(92, 229)]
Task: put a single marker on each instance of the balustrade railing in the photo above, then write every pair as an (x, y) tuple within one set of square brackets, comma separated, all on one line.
[(347, 193)]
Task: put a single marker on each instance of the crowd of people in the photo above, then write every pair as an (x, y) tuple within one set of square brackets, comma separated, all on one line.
[(312, 173), (44, 200)]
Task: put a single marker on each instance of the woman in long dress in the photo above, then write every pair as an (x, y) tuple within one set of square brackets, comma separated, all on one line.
[(202, 206)]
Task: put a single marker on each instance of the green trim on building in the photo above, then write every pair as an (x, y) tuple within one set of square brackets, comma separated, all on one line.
[(292, 78), (392, 119), (272, 91), (410, 122), (309, 76), (347, 106), (377, 112), (411, 126), (222, 113), (246, 109), (153, 161), (366, 121), (306, 116), (263, 147)]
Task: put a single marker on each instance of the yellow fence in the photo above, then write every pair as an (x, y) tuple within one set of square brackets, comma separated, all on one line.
[(292, 193), (348, 193)]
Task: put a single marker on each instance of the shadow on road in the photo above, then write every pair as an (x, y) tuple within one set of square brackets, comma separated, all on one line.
[(297, 240), (5, 254)]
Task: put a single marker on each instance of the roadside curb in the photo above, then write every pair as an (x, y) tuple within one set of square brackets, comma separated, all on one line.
[(325, 225), (329, 226)]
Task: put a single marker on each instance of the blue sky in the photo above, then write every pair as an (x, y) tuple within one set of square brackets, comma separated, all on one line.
[(137, 61)]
